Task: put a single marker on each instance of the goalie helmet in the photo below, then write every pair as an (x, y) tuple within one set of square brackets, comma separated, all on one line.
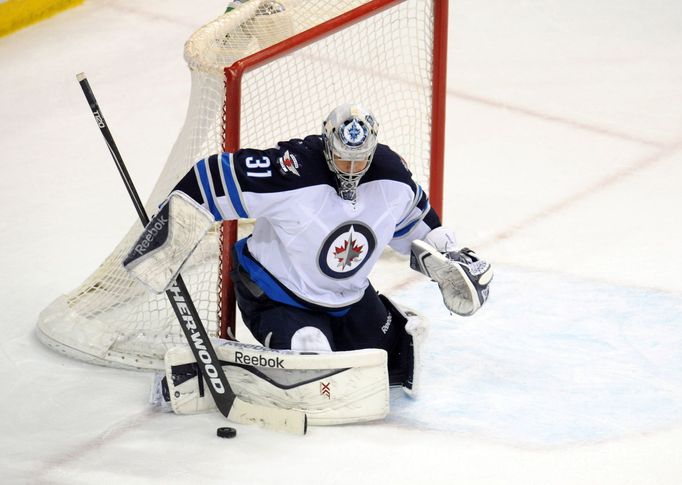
[(350, 137)]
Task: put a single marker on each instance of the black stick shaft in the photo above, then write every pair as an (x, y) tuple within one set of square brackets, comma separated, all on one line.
[(179, 297), (113, 149)]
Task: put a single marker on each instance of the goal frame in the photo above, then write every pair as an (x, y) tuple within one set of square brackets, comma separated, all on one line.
[(233, 91)]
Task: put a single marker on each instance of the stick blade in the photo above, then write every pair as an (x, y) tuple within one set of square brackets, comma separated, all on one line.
[(276, 419)]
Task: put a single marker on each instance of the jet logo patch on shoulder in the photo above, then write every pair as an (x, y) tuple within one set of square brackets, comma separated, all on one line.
[(346, 250), (288, 163)]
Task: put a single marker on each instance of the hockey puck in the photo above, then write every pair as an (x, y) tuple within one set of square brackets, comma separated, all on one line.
[(226, 432)]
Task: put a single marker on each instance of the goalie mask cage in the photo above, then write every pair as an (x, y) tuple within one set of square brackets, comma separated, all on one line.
[(266, 71)]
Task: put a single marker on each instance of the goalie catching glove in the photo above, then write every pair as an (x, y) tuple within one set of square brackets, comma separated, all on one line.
[(462, 277)]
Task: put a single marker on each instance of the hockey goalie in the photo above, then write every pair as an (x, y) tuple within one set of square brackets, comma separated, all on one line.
[(325, 207)]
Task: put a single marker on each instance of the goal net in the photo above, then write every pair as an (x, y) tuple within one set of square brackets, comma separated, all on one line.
[(262, 72)]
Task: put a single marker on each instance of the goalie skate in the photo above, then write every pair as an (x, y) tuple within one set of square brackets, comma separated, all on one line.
[(463, 282)]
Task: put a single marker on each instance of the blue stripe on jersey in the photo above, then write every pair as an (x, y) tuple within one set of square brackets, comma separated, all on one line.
[(203, 177), (265, 281), (420, 193), (270, 286), (420, 199), (406, 229), (232, 188), (417, 199)]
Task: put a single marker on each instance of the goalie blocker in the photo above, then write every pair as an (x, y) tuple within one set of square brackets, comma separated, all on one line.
[(168, 240), (329, 387)]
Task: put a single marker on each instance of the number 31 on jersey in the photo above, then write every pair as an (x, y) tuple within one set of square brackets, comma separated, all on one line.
[(258, 166)]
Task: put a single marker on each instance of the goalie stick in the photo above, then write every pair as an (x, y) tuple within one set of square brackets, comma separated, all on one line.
[(227, 402)]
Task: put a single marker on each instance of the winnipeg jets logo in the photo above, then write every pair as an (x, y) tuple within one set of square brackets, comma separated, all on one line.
[(353, 133), (288, 163), (349, 253), (346, 250)]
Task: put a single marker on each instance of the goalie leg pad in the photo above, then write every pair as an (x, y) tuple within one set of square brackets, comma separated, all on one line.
[(405, 366), (330, 387), (168, 241), (416, 327)]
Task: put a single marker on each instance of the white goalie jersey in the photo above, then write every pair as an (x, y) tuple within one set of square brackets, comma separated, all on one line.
[(310, 248)]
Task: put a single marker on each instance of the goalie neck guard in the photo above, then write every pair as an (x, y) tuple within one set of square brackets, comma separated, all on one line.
[(350, 135)]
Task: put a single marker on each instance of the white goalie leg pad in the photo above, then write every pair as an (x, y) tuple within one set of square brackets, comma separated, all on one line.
[(168, 241), (418, 328), (330, 387)]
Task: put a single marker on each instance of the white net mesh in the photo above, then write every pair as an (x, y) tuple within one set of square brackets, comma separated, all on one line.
[(384, 62)]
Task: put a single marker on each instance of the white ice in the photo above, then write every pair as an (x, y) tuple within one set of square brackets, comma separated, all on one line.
[(564, 168)]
